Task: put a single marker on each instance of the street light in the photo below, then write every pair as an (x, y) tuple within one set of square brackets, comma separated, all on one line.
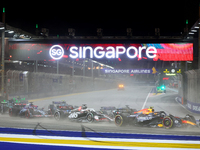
[(194, 30), (10, 31)]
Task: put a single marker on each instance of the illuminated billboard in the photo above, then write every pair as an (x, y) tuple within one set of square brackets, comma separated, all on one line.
[(150, 51)]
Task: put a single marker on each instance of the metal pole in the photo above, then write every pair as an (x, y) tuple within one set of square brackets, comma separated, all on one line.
[(2, 54), (57, 67), (92, 75), (92, 69), (185, 65), (2, 62), (175, 62), (83, 67), (36, 66), (73, 68), (163, 64), (199, 39), (99, 70)]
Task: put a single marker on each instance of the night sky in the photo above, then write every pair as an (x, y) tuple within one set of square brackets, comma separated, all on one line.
[(142, 16)]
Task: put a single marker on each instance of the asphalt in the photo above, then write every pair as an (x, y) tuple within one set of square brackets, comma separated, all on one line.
[(135, 96)]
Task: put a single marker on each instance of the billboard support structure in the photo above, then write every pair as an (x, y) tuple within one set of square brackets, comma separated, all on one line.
[(57, 67), (83, 67), (199, 43), (72, 68), (2, 53), (36, 65), (92, 69)]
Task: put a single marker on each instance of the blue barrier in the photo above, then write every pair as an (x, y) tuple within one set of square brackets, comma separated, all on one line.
[(96, 134), (21, 146), (193, 107)]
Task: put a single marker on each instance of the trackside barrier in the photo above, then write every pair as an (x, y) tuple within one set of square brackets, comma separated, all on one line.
[(193, 85), (51, 139), (37, 85), (192, 92), (191, 106)]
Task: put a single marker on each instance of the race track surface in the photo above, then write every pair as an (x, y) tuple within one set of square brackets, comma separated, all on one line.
[(135, 96)]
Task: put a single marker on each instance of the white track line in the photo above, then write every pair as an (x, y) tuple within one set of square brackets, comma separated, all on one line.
[(145, 101)]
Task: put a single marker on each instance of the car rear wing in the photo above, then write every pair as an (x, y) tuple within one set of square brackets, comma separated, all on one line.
[(59, 102), (108, 108)]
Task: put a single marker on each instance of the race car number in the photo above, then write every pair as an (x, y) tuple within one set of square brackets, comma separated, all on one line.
[(73, 115)]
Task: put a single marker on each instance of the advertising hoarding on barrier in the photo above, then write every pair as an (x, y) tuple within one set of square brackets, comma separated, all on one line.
[(130, 71), (152, 51), (191, 106)]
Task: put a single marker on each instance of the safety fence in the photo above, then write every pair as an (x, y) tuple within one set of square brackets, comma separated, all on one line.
[(35, 85)]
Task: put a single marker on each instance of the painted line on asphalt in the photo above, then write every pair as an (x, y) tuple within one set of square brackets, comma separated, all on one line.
[(102, 142), (146, 100), (73, 94)]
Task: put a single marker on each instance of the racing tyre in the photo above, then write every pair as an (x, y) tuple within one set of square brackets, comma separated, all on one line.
[(90, 117), (168, 122), (120, 120), (57, 115)]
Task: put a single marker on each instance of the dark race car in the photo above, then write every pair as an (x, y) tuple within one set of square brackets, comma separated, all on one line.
[(161, 88), (84, 114), (6, 105), (147, 117), (60, 109), (171, 121), (124, 110), (15, 109), (28, 110)]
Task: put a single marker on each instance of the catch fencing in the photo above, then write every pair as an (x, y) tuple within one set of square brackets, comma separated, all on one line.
[(36, 85)]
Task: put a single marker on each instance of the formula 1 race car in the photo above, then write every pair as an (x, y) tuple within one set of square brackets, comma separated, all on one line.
[(147, 117), (60, 109), (173, 121), (28, 110), (84, 114), (161, 89), (5, 105), (124, 110), (15, 109)]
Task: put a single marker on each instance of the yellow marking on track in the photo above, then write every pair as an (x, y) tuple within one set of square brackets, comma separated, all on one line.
[(101, 143), (154, 94)]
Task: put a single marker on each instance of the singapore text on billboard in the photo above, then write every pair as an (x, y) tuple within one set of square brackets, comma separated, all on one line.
[(111, 52), (154, 51)]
